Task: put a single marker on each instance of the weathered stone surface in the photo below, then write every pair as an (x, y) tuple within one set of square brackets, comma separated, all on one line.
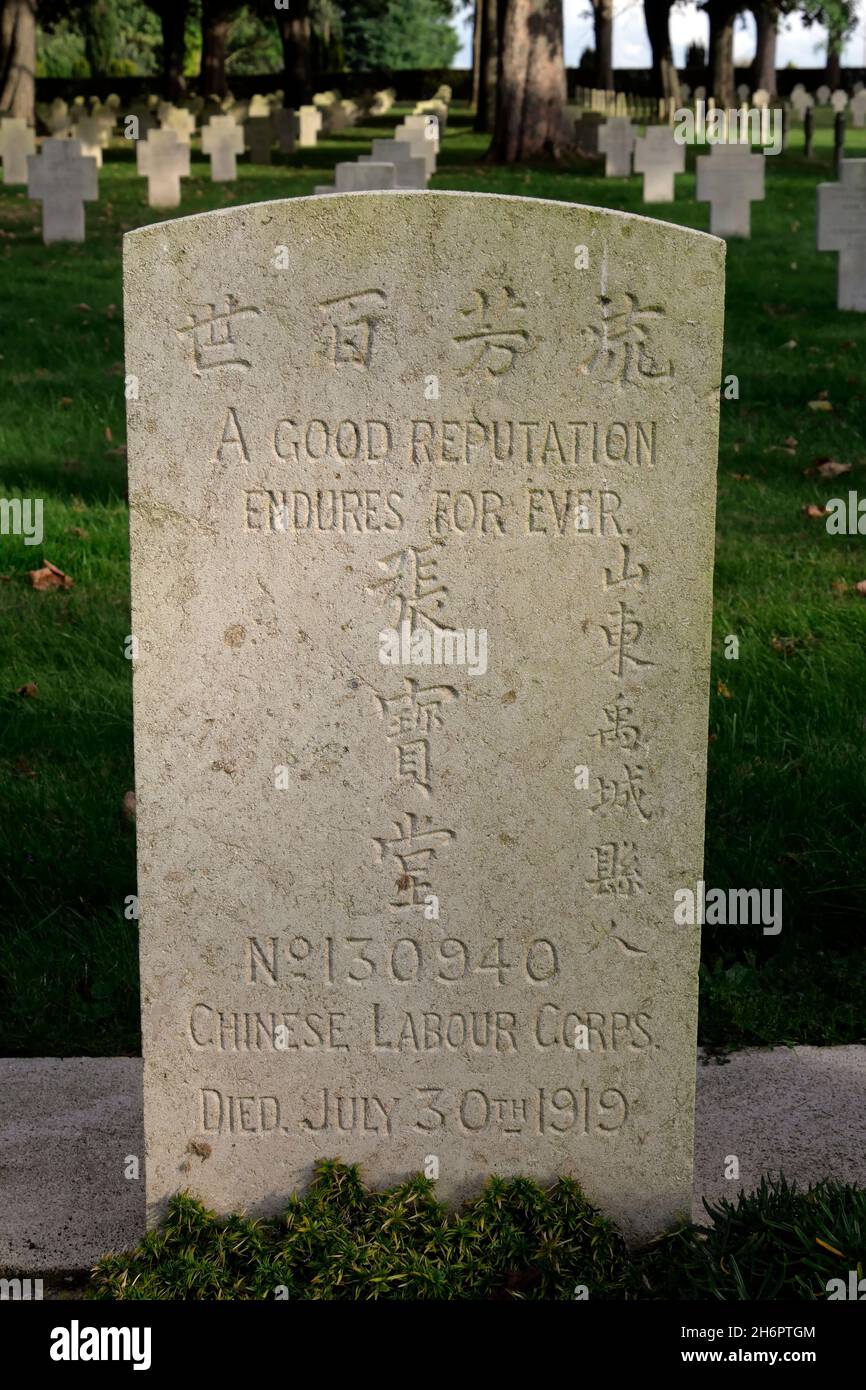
[(381, 902), (163, 160), (223, 140), (410, 169)]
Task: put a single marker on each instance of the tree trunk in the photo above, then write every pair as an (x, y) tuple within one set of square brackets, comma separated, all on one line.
[(764, 66), (18, 59), (602, 18), (722, 14), (492, 19), (532, 94), (215, 25), (476, 55), (172, 14), (833, 76), (296, 34), (666, 82)]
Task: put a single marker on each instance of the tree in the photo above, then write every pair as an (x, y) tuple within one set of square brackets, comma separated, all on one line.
[(296, 34), (839, 18), (491, 28), (602, 19), (722, 15), (476, 54), (100, 32), (216, 17), (393, 34), (529, 116), (172, 16), (18, 58), (657, 15), (766, 14)]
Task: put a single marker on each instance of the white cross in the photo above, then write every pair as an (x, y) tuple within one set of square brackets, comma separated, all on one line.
[(842, 228), (164, 161), (222, 139), (616, 142), (63, 180), (658, 156), (730, 180)]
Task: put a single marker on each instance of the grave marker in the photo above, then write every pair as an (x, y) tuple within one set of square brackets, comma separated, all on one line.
[(223, 140), (359, 936), (310, 124), (616, 142), (842, 228), (17, 143), (730, 179), (259, 136), (164, 161), (658, 156), (63, 180)]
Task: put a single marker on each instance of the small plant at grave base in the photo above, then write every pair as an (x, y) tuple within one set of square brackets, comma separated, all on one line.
[(516, 1240), (343, 1241)]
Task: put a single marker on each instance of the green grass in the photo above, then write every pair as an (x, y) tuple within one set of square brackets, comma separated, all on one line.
[(515, 1241), (787, 775)]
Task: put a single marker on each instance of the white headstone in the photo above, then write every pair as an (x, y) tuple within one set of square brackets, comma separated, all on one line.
[(658, 156), (164, 161), (730, 179), (822, 95), (310, 119), (801, 101), (89, 131), (360, 936), (63, 180), (842, 228), (744, 91), (358, 178), (17, 143), (616, 142), (761, 99), (839, 100), (57, 118), (421, 133), (223, 140), (179, 120)]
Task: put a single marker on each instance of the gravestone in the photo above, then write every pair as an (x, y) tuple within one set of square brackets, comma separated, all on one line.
[(379, 634), (842, 228), (178, 119), (839, 100), (822, 95), (63, 180), (586, 135), (351, 177), (857, 110), (57, 119), (259, 137), (286, 128), (422, 134), (310, 123), (223, 140), (17, 143), (411, 170), (89, 131), (730, 179), (164, 161), (744, 91), (801, 102), (616, 142), (259, 106), (658, 156), (761, 99), (336, 117)]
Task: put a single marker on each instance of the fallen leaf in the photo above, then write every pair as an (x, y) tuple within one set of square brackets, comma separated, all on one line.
[(820, 405), (28, 691), (839, 586), (791, 343), (129, 806), (742, 477), (50, 577), (722, 689), (85, 308), (860, 586), (826, 468), (79, 532), (119, 452), (109, 436), (65, 401), (21, 768), (814, 511)]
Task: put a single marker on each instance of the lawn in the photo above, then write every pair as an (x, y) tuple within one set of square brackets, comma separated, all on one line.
[(787, 769)]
